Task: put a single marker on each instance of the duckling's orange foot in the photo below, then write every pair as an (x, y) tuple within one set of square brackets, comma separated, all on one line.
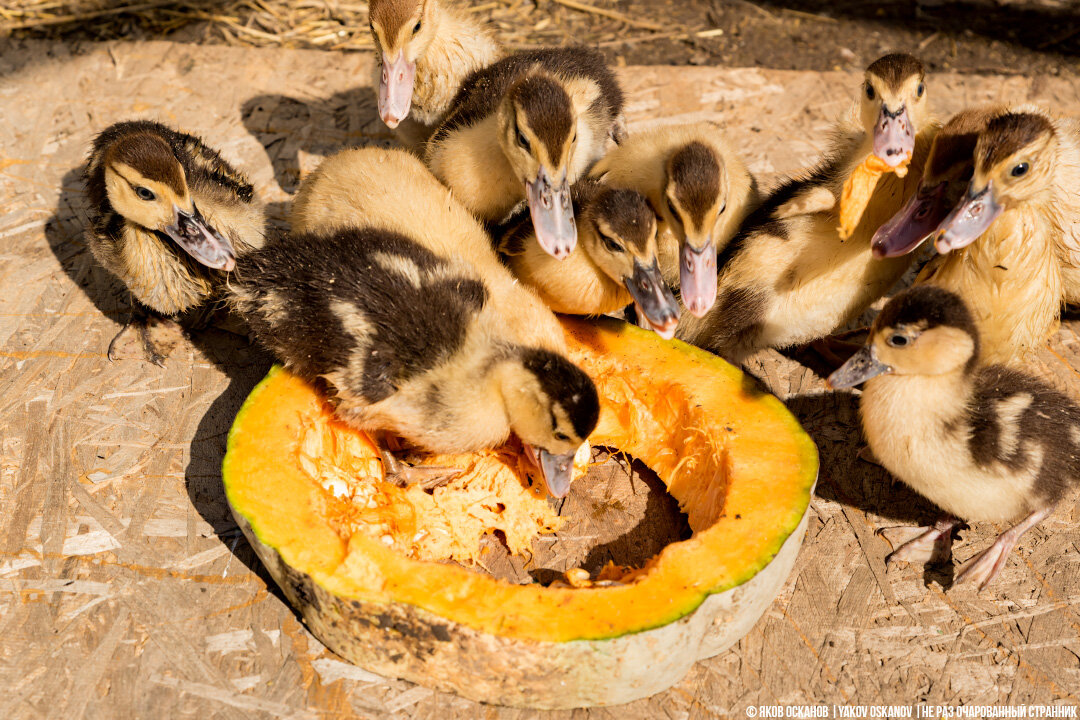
[(931, 544), (987, 565)]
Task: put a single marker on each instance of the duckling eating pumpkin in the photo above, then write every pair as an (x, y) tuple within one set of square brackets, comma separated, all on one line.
[(526, 128), (984, 443), (404, 309), (700, 191), (168, 217), (614, 263)]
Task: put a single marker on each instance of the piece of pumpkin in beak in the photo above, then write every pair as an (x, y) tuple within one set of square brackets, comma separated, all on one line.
[(971, 218), (654, 299), (916, 221), (697, 277), (859, 368), (396, 89), (552, 214), (894, 136), (201, 241)]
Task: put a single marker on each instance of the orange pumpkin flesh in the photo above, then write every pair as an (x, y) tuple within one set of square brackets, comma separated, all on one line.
[(737, 462)]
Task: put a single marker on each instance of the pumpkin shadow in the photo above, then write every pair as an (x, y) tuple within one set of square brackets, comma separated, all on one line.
[(289, 128)]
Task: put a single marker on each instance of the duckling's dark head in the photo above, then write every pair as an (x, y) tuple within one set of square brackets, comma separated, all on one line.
[(146, 184), (402, 31), (553, 407), (893, 105), (621, 240), (925, 330), (948, 170), (1015, 162), (538, 126), (695, 195)]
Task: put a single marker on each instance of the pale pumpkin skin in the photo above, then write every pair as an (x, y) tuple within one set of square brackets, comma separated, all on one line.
[(532, 646)]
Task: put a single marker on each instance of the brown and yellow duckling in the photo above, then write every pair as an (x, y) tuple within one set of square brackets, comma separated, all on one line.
[(525, 129), (788, 277), (614, 263), (168, 217), (390, 291), (985, 443), (1010, 276), (700, 191), (424, 49)]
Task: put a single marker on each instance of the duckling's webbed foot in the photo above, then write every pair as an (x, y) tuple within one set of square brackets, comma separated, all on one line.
[(987, 565), (158, 337), (930, 545), (402, 474)]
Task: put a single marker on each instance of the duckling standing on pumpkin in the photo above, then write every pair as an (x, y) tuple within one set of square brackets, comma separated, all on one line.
[(424, 49), (788, 277), (526, 128), (984, 443), (700, 191), (389, 290), (1011, 276), (168, 217), (614, 263)]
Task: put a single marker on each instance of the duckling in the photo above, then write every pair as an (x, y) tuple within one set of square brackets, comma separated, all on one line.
[(700, 191), (424, 48), (526, 128), (389, 290), (614, 263), (788, 277), (983, 442), (1011, 276), (168, 217)]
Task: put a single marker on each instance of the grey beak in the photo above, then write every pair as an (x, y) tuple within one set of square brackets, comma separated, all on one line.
[(654, 298), (697, 277), (557, 471), (971, 218), (906, 230), (859, 368), (894, 136), (201, 241), (552, 214)]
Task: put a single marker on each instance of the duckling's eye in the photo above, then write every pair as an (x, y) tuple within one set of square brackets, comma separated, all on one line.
[(897, 340), (611, 245), (144, 193), (523, 141), (560, 436), (870, 91), (1020, 170), (920, 90), (671, 209), (416, 27)]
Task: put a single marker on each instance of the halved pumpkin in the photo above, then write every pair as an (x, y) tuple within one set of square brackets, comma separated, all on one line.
[(734, 458)]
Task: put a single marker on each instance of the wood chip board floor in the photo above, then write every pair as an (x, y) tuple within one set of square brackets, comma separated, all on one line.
[(126, 590)]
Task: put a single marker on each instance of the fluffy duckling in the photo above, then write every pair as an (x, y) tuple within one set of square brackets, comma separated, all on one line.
[(526, 128), (1011, 276), (424, 48), (614, 263), (390, 291), (788, 277), (700, 191), (168, 217), (984, 443)]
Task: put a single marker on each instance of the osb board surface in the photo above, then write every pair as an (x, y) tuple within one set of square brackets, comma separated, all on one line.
[(128, 592)]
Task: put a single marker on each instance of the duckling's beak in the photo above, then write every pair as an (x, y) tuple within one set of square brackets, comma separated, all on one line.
[(860, 367), (697, 277), (556, 470), (971, 218), (552, 214), (894, 136), (396, 89), (201, 241), (913, 224), (655, 301)]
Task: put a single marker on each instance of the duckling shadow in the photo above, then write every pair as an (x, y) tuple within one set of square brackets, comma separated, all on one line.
[(291, 128)]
